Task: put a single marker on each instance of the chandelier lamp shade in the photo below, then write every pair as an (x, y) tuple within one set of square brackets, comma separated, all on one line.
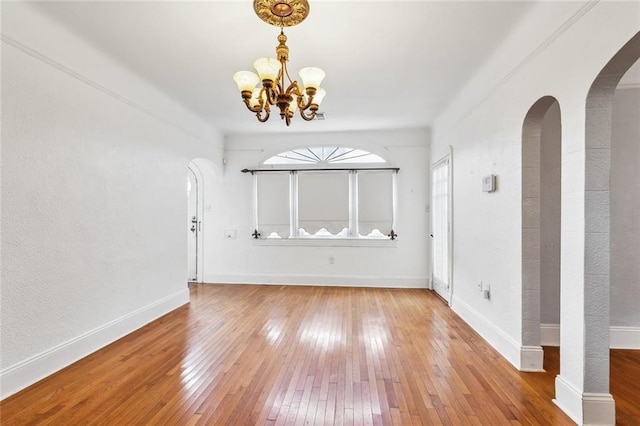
[(272, 85)]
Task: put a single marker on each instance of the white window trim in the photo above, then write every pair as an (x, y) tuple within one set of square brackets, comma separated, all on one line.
[(326, 242), (354, 239)]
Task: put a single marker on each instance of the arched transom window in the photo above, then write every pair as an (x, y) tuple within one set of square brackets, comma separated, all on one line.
[(325, 155)]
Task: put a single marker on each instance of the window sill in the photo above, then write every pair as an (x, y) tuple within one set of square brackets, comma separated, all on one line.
[(326, 242)]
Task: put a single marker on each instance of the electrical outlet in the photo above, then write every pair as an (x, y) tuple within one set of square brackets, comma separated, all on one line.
[(486, 292)]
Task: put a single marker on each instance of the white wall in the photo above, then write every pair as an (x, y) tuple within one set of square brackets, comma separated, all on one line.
[(625, 209), (94, 166), (557, 50), (242, 260)]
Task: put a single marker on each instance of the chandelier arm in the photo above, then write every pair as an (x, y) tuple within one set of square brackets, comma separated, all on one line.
[(270, 95), (294, 88), (262, 105), (260, 119), (307, 105), (310, 116), (267, 112), (262, 102), (256, 108)]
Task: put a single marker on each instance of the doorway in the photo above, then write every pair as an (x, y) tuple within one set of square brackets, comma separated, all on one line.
[(441, 227), (194, 225), (541, 221)]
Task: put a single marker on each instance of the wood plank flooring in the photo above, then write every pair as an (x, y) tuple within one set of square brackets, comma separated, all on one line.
[(275, 355), (624, 381)]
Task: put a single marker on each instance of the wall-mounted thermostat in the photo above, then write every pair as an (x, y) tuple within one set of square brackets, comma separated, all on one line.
[(489, 183)]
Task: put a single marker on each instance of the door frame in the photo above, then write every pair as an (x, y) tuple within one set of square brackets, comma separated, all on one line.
[(448, 158)]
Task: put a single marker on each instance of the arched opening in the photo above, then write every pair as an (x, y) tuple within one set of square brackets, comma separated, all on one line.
[(541, 171), (625, 209), (200, 178), (624, 319), (194, 224), (599, 189)]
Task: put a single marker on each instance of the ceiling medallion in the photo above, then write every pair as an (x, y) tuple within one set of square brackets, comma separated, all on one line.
[(281, 13)]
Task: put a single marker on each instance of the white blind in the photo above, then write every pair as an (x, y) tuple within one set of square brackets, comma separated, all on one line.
[(440, 221), (375, 201), (323, 201), (273, 204)]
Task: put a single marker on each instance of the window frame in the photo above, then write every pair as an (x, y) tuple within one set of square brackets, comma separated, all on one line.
[(354, 239)]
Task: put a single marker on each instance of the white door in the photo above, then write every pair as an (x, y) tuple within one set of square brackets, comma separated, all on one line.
[(441, 228), (193, 226)]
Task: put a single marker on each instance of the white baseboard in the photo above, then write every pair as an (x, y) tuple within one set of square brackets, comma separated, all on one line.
[(531, 359), (584, 408), (319, 280), (598, 409), (33, 369), (504, 344), (619, 337), (550, 334), (569, 399), (624, 337)]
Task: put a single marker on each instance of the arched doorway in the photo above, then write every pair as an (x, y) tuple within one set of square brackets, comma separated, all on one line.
[(194, 225), (541, 167), (624, 318), (195, 218), (625, 212), (200, 225), (597, 403)]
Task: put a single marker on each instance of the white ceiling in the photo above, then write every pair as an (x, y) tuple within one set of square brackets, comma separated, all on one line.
[(389, 64)]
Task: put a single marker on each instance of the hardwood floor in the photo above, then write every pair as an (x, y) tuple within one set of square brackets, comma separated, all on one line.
[(274, 355)]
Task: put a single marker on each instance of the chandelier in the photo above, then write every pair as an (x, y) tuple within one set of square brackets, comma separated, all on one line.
[(272, 85)]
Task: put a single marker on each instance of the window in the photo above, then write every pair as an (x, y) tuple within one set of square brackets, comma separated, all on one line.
[(323, 203), (328, 193), (375, 203), (273, 204)]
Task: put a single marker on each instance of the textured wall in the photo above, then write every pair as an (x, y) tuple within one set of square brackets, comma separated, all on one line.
[(550, 162), (93, 198), (79, 206), (625, 209), (557, 53)]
